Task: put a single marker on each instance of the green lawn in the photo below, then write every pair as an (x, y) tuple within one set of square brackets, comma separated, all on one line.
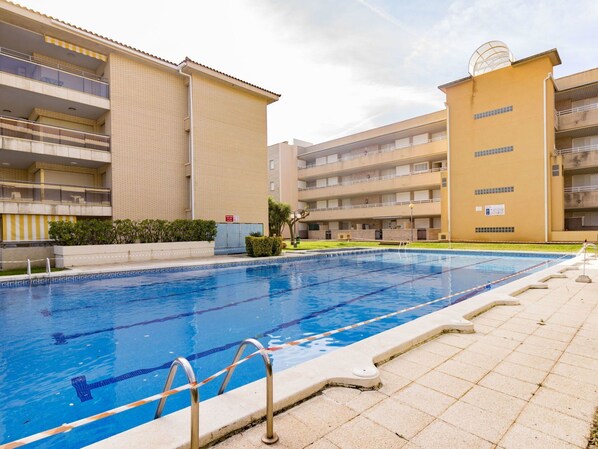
[(24, 271), (539, 247)]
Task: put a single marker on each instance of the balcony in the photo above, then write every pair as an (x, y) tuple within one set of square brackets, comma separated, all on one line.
[(20, 197), (579, 117), (20, 64), (583, 197), (371, 159), (422, 208), (393, 183), (577, 158)]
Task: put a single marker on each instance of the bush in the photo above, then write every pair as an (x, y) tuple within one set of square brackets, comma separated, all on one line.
[(103, 232), (263, 246)]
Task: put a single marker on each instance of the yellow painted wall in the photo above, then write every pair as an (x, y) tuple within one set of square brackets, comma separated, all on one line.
[(519, 86), (230, 152), (149, 143)]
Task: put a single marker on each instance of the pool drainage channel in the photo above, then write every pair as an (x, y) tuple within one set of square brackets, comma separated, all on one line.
[(264, 352)]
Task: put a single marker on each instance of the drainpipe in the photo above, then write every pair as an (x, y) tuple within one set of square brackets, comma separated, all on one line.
[(191, 141), (546, 161), (448, 168)]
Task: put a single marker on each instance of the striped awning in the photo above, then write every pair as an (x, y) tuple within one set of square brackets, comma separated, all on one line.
[(75, 48), (22, 228)]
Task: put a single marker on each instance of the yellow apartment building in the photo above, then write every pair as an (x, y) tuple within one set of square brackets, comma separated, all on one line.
[(513, 157), (90, 127)]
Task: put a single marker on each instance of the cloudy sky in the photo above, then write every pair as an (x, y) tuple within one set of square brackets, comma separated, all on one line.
[(342, 66)]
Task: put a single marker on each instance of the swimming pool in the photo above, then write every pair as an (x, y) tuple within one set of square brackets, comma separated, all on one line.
[(70, 350)]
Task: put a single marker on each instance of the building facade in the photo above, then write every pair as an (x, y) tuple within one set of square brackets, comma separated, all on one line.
[(90, 127), (513, 157)]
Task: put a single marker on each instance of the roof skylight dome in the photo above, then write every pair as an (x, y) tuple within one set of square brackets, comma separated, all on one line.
[(490, 56)]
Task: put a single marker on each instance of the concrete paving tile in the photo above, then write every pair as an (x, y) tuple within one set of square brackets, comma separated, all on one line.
[(546, 342), (579, 360), (494, 401), (458, 340), (462, 370), (547, 332), (341, 395), (399, 418), (405, 368), (423, 357), (511, 335), (445, 383), (391, 382), (571, 387), (238, 441), (483, 347), (523, 326), (366, 400), (576, 373), (322, 414), (530, 348), (500, 342), (362, 433), (486, 361), (484, 424), (440, 348), (322, 443), (292, 433), (440, 435), (424, 399), (553, 423), (509, 385), (521, 437), (491, 322), (564, 403), (521, 372), (482, 329), (583, 350), (529, 360)]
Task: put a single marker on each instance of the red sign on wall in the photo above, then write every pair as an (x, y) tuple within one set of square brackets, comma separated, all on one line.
[(229, 218)]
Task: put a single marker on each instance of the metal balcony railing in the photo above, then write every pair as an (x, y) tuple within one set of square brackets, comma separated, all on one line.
[(575, 150), (364, 205), (21, 64), (30, 192), (592, 188), (374, 178), (587, 107), (369, 153), (25, 129)]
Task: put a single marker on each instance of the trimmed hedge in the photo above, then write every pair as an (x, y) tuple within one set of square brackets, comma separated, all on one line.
[(263, 246), (106, 232)]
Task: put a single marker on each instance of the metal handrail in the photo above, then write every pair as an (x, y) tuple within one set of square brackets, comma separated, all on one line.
[(587, 107), (364, 205), (573, 150), (270, 437), (194, 391), (591, 188)]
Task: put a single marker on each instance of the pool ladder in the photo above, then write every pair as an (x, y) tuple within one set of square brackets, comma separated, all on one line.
[(269, 437)]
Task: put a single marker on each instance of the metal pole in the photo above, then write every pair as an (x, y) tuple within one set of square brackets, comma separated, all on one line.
[(29, 270), (48, 268)]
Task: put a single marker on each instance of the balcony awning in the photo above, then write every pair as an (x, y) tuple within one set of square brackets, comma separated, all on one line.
[(22, 228), (75, 48)]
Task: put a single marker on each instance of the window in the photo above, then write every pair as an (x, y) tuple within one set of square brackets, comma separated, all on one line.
[(420, 167), (492, 112), (556, 170), (271, 164), (496, 229), (493, 151), (271, 187), (494, 190)]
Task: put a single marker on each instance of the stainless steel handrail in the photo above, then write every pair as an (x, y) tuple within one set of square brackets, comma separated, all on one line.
[(194, 391), (270, 437)]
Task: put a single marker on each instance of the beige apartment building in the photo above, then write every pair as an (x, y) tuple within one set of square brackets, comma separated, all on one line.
[(513, 157), (90, 127)]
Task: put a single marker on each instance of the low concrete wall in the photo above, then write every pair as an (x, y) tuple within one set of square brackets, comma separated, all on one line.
[(399, 235), (73, 256), (573, 236), (13, 258)]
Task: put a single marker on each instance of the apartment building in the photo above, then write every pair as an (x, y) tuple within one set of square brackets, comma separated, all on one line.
[(90, 127), (513, 157)]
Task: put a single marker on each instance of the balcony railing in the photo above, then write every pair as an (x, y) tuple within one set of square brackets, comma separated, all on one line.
[(587, 107), (592, 188), (575, 150), (392, 203), (375, 178), (25, 129), (369, 153), (29, 192), (21, 64)]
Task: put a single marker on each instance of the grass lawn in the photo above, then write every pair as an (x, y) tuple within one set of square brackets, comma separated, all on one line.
[(24, 271), (539, 247)]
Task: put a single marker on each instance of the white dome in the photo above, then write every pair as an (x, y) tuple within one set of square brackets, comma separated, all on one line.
[(490, 56)]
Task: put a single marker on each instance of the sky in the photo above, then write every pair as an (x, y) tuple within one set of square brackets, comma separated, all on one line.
[(341, 66)]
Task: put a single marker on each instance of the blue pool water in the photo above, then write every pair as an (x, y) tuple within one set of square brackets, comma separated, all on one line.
[(74, 349)]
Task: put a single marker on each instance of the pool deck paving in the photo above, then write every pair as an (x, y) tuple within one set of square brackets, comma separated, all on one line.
[(527, 378)]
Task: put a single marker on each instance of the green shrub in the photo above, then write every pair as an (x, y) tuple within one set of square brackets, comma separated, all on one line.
[(103, 232), (249, 245), (277, 245), (263, 246)]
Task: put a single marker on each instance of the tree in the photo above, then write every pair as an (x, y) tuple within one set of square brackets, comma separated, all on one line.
[(294, 218), (278, 216)]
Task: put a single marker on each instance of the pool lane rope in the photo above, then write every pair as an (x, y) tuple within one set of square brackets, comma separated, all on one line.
[(67, 427)]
